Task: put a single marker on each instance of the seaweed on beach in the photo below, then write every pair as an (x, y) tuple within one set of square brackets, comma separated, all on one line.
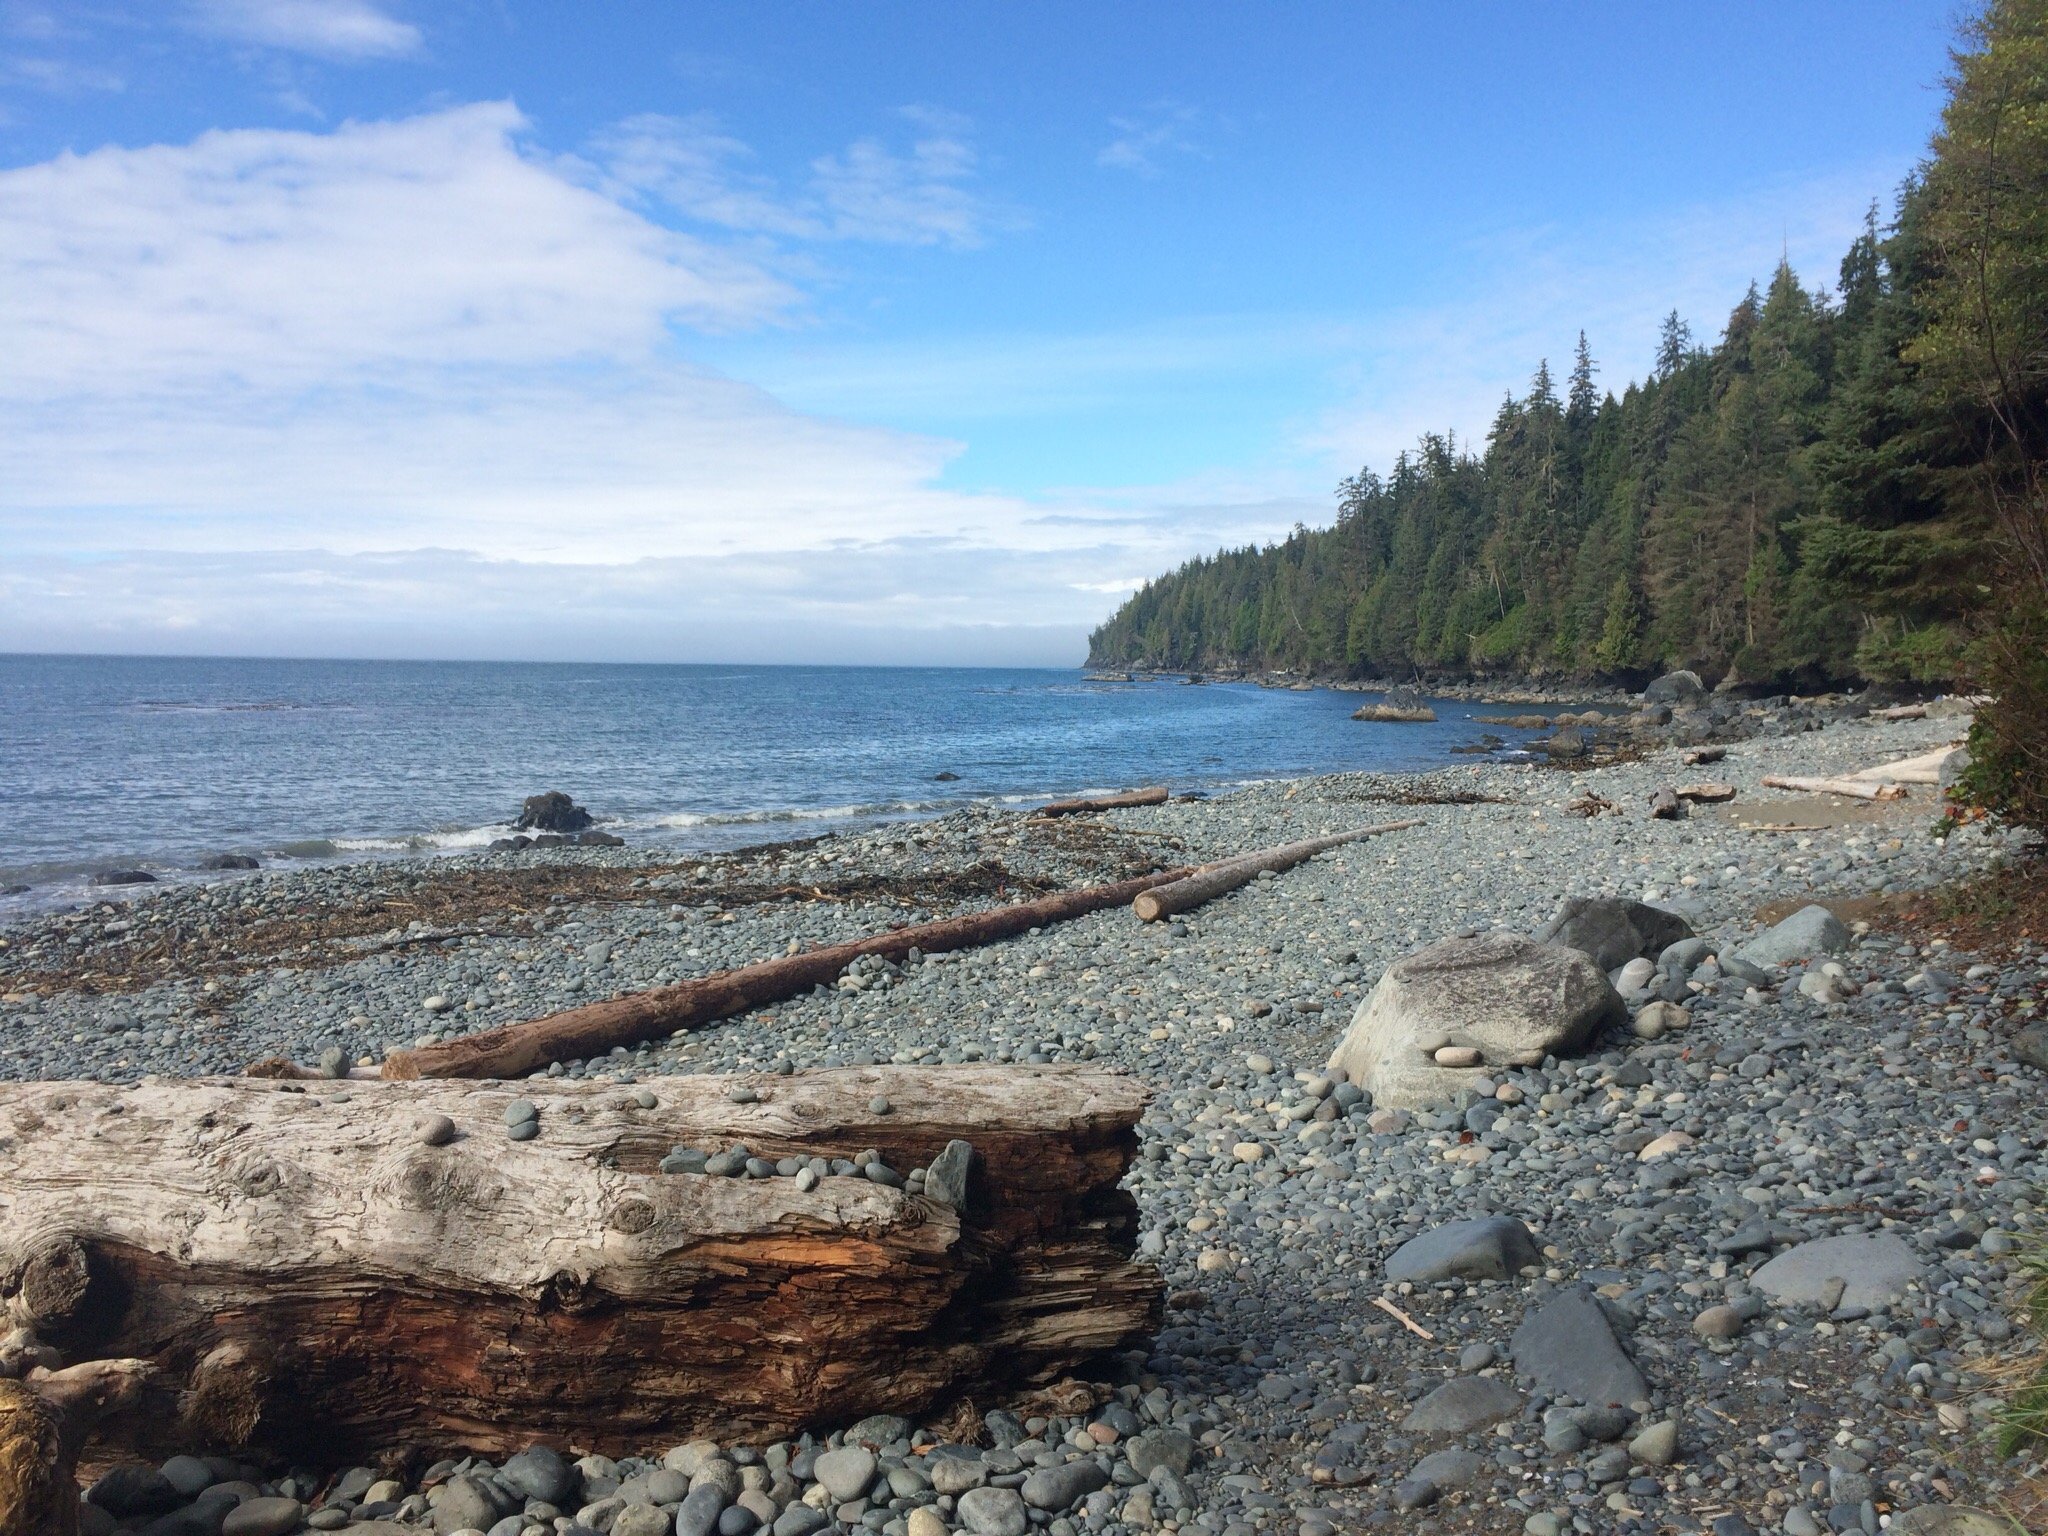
[(432, 904)]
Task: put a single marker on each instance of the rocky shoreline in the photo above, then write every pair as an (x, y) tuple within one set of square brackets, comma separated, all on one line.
[(1622, 1202)]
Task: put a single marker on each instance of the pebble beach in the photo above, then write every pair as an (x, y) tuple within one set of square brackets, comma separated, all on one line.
[(1618, 1203)]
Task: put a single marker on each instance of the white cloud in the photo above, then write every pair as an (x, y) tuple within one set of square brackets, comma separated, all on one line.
[(922, 195), (266, 259), (1142, 142), (62, 77), (402, 379), (329, 29)]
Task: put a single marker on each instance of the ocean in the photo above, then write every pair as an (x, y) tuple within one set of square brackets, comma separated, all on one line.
[(155, 763)]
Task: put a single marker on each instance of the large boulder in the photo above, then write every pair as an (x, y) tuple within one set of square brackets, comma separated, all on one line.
[(1612, 930), (1812, 930), (552, 812), (1443, 1014), (1681, 690)]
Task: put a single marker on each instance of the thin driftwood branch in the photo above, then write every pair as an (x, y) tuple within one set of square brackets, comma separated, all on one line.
[(1155, 795)]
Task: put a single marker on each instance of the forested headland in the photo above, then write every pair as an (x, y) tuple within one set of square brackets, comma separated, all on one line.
[(1846, 484)]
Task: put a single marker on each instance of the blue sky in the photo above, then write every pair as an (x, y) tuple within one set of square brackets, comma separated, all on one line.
[(807, 332)]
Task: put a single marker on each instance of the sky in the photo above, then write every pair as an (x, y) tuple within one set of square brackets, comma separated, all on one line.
[(825, 332)]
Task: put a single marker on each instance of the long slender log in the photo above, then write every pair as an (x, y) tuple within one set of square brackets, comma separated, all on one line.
[(1156, 795), (1859, 789), (328, 1271), (514, 1050), (1213, 880)]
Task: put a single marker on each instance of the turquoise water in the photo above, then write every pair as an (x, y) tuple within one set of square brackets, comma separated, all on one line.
[(155, 763)]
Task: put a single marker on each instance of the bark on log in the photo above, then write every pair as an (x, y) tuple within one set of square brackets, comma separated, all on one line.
[(44, 1421), (309, 1275), (1156, 795), (1859, 789), (1700, 756), (1213, 880), (514, 1050)]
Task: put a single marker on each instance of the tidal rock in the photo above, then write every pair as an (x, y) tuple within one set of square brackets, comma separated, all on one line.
[(1681, 690), (1510, 998), (1484, 1248), (552, 812), (1614, 931), (230, 861)]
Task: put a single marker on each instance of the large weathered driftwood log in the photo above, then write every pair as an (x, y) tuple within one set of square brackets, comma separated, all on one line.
[(312, 1271), (513, 1050), (1155, 795), (1859, 789), (1213, 880)]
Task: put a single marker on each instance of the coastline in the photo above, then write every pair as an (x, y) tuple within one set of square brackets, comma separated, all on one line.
[(1293, 1389)]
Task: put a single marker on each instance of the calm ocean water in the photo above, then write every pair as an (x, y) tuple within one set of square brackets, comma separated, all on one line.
[(155, 763)]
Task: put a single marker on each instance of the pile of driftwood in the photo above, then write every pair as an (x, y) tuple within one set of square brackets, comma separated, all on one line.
[(371, 1266)]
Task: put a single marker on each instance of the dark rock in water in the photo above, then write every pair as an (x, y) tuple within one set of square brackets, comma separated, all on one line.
[(230, 861), (13, 890), (1566, 1345), (1402, 705), (124, 877), (509, 844), (1682, 690), (948, 776), (599, 840), (552, 812), (1613, 930)]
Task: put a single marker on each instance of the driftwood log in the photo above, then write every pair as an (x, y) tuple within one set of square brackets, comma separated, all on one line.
[(1859, 789), (313, 1271), (1213, 880), (1155, 795), (1924, 769), (514, 1050)]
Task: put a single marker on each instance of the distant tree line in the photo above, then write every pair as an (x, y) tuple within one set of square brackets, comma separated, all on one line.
[(1847, 484)]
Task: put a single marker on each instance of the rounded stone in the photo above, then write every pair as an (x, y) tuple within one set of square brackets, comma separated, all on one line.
[(264, 1517), (993, 1512)]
